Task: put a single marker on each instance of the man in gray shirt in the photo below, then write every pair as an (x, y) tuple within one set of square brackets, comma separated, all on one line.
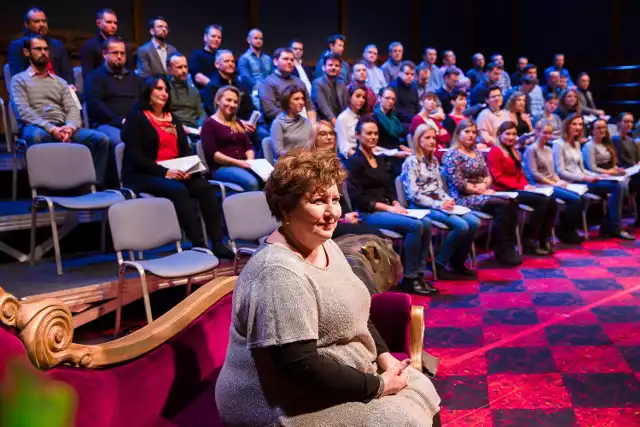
[(46, 110), (186, 103)]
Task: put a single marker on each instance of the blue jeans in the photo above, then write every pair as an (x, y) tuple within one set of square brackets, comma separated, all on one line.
[(457, 245), (615, 190), (243, 177), (417, 237), (97, 142), (570, 217)]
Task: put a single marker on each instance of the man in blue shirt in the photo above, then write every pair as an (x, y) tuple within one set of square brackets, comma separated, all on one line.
[(435, 79), (558, 65), (336, 45), (254, 65)]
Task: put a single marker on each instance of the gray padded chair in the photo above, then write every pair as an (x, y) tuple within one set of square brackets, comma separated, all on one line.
[(144, 224), (65, 166), (222, 185), (267, 150), (14, 143), (248, 219)]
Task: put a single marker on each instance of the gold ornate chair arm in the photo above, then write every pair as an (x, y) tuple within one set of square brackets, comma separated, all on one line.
[(417, 336), (46, 328)]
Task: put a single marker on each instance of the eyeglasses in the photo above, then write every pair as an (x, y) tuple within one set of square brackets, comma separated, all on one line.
[(325, 134)]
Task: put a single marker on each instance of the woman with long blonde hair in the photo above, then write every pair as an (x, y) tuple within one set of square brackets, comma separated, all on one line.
[(423, 186)]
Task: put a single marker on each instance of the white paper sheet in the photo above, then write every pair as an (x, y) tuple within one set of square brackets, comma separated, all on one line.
[(546, 191), (504, 194), (417, 213), (192, 131), (189, 164), (633, 170), (578, 188), (458, 210), (612, 178), (261, 167), (389, 152)]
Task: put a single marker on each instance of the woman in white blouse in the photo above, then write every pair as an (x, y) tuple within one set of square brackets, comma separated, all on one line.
[(348, 119)]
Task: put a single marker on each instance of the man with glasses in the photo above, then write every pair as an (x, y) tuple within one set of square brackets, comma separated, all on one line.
[(152, 56), (36, 22), (301, 71), (490, 119)]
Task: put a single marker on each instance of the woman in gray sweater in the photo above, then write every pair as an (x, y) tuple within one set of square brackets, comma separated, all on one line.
[(290, 129)]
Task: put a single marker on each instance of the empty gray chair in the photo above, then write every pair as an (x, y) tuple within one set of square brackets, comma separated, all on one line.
[(248, 219), (144, 224), (59, 167), (267, 150), (14, 143), (224, 186)]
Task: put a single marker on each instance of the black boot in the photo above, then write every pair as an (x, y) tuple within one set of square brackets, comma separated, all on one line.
[(222, 251), (547, 246), (462, 270), (569, 236), (506, 255), (531, 247), (443, 273), (416, 286)]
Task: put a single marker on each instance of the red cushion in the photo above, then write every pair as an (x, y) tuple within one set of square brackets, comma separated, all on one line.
[(391, 314)]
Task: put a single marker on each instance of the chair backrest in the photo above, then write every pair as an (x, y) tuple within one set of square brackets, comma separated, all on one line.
[(143, 224), (247, 216), (77, 75), (59, 166), (445, 181), (119, 154), (200, 153), (400, 194), (6, 72), (267, 150), (410, 142), (85, 116), (345, 195)]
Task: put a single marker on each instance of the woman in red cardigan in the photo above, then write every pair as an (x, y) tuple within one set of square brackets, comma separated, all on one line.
[(505, 165)]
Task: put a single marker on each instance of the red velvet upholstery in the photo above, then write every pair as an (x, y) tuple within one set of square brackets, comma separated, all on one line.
[(174, 384)]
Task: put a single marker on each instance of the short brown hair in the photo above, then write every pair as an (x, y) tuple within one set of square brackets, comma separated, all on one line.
[(288, 93), (299, 172)]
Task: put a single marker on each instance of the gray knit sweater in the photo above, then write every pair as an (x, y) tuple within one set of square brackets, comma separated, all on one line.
[(288, 133)]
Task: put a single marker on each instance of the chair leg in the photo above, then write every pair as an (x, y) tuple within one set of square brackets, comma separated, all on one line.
[(145, 296), (473, 254), (14, 179), (235, 263), (433, 261), (585, 226), (119, 301), (32, 240), (518, 240), (489, 232), (103, 232), (189, 285), (55, 237)]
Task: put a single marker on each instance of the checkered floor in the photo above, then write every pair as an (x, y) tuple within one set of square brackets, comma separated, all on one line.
[(553, 343)]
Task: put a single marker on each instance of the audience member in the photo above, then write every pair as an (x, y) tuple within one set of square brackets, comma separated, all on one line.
[(36, 23), (186, 103), (563, 83), (91, 51), (300, 70), (270, 91), (476, 73), (470, 183), (598, 152), (422, 79), (504, 81), (348, 119), (390, 129), (407, 100), (226, 144), (491, 77), (516, 106), (628, 153), (516, 77), (152, 56), (254, 65), (568, 104), (321, 344), (45, 109), (505, 165), (552, 86), (290, 129), (449, 62), (528, 84), (202, 61), (558, 65), (422, 183), (371, 190), (451, 78), (538, 165), (359, 78), (567, 159), (490, 119), (536, 98), (375, 76), (111, 90), (436, 81), (336, 46), (548, 115), (152, 134), (459, 104), (585, 97), (427, 115), (391, 68), (328, 92)]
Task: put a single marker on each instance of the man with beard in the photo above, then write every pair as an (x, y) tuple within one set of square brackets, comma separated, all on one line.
[(45, 108), (35, 22), (202, 61), (91, 52), (186, 104), (152, 56), (254, 65), (329, 93), (336, 46)]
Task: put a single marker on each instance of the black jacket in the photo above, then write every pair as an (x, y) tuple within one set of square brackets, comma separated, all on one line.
[(407, 100), (208, 95), (142, 144), (368, 185)]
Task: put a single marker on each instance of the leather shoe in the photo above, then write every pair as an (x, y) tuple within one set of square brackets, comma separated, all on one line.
[(462, 270), (623, 235), (443, 273), (570, 237), (413, 285), (222, 251)]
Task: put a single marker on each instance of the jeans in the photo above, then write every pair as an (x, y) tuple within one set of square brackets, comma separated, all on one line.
[(113, 133), (462, 231), (243, 177), (417, 238), (615, 190), (570, 217), (97, 142)]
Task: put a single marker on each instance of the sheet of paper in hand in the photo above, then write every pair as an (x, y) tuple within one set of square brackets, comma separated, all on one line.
[(578, 188), (546, 191), (417, 213), (188, 164), (504, 194), (261, 167)]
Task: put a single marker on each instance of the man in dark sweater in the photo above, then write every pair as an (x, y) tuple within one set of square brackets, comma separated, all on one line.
[(202, 61), (329, 93), (480, 91), (407, 99), (111, 90), (451, 76), (35, 22), (91, 52)]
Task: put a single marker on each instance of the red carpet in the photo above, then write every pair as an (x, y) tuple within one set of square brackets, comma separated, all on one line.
[(555, 342)]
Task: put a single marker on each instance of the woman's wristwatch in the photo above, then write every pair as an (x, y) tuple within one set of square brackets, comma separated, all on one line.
[(380, 387)]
